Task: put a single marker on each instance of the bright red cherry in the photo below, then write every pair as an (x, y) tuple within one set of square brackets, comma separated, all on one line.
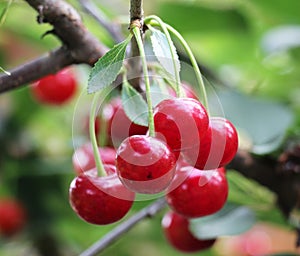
[(181, 122), (83, 157), (55, 89), (119, 126), (145, 164), (12, 216), (176, 230), (195, 193), (100, 200), (217, 147)]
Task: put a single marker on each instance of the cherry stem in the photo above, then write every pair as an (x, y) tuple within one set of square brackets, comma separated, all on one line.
[(93, 138), (137, 34), (172, 50)]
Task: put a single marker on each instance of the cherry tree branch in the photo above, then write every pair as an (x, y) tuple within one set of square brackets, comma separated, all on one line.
[(79, 45), (112, 28), (148, 212)]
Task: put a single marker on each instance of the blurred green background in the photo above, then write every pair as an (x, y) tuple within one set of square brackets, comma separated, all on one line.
[(253, 47)]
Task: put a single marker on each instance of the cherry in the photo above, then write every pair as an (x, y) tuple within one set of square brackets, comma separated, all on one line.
[(176, 230), (187, 89), (55, 89), (181, 122), (196, 193), (12, 216), (217, 147), (83, 157), (100, 200), (145, 164), (119, 126)]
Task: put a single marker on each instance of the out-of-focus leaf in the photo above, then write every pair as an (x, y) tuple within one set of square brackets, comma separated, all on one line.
[(265, 121), (230, 220)]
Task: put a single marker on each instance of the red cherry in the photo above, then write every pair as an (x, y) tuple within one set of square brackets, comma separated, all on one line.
[(217, 147), (176, 230), (119, 126), (195, 193), (100, 200), (187, 89), (12, 217), (83, 157), (55, 89), (181, 122), (145, 164)]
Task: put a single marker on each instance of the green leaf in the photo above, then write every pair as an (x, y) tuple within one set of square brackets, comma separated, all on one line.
[(230, 220), (264, 121), (162, 51), (4, 12), (108, 67), (134, 105)]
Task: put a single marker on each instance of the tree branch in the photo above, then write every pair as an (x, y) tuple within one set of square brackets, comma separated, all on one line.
[(79, 46), (124, 227), (112, 28)]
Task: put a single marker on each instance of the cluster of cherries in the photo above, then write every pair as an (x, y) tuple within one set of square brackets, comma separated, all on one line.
[(185, 160)]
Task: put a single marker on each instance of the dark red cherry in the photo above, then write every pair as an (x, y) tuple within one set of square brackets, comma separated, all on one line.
[(181, 122), (217, 148), (83, 157), (100, 200), (176, 230), (195, 193), (55, 89), (145, 164)]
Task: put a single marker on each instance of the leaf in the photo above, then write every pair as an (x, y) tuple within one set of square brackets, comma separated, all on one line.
[(266, 123), (4, 12), (108, 67), (230, 220), (134, 105), (162, 51)]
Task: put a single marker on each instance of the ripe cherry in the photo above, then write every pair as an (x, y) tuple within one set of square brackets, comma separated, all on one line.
[(145, 164), (187, 88), (217, 147), (12, 216), (119, 126), (176, 230), (100, 200), (181, 122), (83, 157), (195, 193), (55, 89)]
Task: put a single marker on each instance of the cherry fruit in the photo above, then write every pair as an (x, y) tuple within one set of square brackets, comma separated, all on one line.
[(176, 230), (195, 193), (181, 122), (217, 148), (145, 164), (83, 157), (12, 217), (100, 200), (119, 126), (55, 89)]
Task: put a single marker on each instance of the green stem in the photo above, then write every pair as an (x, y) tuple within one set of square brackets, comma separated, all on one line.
[(192, 58), (136, 32), (93, 138), (172, 49)]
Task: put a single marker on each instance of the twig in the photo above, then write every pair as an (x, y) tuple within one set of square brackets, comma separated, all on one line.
[(125, 226), (112, 28), (79, 46)]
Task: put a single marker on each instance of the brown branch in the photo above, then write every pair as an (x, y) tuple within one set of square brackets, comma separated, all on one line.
[(148, 212), (79, 45)]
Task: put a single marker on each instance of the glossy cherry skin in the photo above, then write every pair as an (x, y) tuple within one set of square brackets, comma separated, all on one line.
[(217, 147), (12, 217), (83, 157), (176, 230), (100, 200), (195, 193), (119, 126), (145, 164), (55, 89), (181, 122)]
